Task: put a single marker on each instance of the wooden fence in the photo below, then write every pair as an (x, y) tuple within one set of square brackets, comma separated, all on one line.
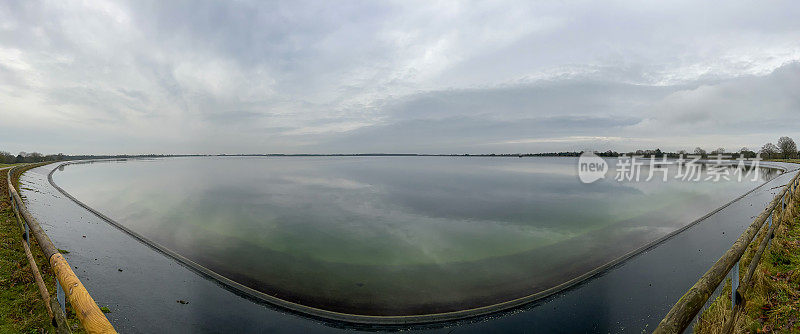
[(87, 311), (688, 306)]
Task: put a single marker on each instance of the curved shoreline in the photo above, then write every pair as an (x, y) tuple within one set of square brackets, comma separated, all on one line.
[(389, 320)]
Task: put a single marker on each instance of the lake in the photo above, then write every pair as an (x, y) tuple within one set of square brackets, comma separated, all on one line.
[(392, 235)]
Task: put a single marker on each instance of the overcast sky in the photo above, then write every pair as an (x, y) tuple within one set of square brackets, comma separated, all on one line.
[(405, 76)]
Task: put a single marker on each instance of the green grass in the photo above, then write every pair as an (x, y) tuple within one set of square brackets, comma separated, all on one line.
[(794, 161), (773, 301), (22, 309)]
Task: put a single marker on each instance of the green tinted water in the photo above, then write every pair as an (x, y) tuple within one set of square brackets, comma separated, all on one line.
[(391, 235)]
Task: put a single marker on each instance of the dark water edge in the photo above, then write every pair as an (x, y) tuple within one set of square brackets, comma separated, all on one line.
[(599, 301)]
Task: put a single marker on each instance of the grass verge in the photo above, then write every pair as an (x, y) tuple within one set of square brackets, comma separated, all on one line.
[(794, 161), (772, 303), (22, 309)]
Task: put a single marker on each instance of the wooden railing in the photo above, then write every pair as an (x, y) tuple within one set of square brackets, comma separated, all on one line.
[(87, 311), (688, 306)]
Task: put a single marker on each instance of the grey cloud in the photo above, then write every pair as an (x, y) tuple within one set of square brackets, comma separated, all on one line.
[(134, 95), (295, 76), (741, 104), (561, 97), (471, 134), (464, 120)]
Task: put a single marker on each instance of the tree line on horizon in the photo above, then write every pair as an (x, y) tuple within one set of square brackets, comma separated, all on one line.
[(33, 157), (785, 149), (8, 158)]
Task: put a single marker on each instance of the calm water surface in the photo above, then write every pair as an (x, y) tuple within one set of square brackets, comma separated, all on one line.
[(391, 235)]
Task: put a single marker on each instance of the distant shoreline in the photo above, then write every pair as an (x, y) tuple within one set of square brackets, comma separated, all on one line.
[(608, 154), (512, 155)]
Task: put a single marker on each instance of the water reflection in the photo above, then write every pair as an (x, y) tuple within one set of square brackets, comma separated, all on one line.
[(392, 235)]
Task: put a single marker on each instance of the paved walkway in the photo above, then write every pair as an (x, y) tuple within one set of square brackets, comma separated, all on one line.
[(632, 296)]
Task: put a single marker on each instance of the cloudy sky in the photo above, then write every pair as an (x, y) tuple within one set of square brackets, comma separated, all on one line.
[(396, 76)]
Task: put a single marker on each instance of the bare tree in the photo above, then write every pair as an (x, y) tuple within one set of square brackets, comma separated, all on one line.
[(35, 157), (746, 153), (788, 147), (701, 152), (768, 150), (6, 158)]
